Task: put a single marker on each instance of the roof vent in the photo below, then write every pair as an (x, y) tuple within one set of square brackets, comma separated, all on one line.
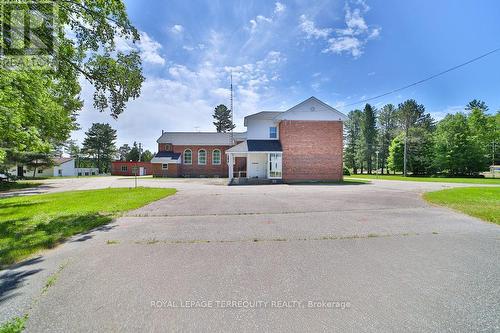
[(313, 108)]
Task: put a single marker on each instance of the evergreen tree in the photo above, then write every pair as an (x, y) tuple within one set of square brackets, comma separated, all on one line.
[(100, 145), (222, 116), (369, 136), (411, 114), (134, 153), (352, 135), (123, 151), (387, 125), (476, 104)]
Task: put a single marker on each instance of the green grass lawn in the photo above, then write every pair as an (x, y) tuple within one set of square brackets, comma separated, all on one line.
[(31, 223), (495, 181), (481, 202)]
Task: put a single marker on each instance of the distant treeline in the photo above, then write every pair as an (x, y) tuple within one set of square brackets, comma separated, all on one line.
[(464, 143)]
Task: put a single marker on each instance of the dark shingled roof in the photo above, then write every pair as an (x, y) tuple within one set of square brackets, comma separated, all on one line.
[(264, 145), (170, 154)]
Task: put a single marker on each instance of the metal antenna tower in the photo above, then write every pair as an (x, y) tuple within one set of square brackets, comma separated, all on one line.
[(232, 112)]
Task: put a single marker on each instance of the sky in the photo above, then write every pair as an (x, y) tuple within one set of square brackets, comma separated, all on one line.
[(281, 53)]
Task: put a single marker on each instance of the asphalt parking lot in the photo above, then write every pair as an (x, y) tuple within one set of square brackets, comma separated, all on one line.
[(366, 257)]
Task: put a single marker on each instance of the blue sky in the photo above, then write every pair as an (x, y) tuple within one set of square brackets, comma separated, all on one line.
[(283, 52)]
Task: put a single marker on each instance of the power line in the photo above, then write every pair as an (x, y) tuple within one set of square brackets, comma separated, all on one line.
[(426, 79)]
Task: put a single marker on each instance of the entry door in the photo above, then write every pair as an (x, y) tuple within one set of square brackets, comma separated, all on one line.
[(275, 165)]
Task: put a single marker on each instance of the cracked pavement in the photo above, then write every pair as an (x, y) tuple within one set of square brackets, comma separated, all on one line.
[(400, 263)]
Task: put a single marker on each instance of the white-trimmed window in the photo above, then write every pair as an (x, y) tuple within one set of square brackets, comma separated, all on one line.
[(188, 156), (216, 157), (273, 132), (202, 157), (124, 168), (164, 166)]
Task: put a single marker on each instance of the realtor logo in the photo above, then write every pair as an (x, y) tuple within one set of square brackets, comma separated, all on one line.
[(28, 34)]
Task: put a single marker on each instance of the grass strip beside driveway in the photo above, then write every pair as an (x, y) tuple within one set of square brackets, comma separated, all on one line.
[(32, 223), (481, 202), (492, 181)]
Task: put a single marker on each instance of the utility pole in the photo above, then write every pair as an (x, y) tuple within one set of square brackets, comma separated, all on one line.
[(493, 159), (404, 156), (376, 167), (140, 151)]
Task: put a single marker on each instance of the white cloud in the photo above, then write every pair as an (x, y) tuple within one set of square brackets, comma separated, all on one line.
[(309, 28), (345, 44), (148, 48), (279, 7), (259, 20), (177, 29), (440, 114), (352, 38)]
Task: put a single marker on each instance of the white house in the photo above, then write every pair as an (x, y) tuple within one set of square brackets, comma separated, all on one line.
[(62, 167)]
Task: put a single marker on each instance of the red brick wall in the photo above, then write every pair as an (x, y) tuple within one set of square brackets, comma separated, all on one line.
[(207, 170), (172, 171), (312, 150), (164, 147), (116, 168)]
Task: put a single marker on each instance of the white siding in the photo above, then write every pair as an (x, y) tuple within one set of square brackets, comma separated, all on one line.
[(258, 129), (257, 165), (312, 109), (68, 169)]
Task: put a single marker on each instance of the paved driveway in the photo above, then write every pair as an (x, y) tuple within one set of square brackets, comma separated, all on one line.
[(305, 257)]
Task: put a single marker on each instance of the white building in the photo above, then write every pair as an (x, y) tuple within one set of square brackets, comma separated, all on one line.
[(62, 167)]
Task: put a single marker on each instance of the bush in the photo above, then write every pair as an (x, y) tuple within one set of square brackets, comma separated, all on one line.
[(346, 172)]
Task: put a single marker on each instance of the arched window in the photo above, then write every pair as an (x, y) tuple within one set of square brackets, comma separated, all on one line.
[(202, 157), (188, 156), (216, 157)]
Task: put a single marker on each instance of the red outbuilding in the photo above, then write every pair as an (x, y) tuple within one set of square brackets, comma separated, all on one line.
[(126, 168)]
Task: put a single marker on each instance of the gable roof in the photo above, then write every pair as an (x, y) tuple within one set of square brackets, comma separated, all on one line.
[(198, 138), (170, 154), (61, 160), (265, 115), (312, 109)]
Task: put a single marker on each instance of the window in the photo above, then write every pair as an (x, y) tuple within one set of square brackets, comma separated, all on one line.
[(40, 171), (124, 168), (164, 166), (202, 157), (188, 156), (216, 157), (273, 132), (59, 172)]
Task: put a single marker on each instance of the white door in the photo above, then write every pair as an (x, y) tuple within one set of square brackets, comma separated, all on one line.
[(256, 165), (141, 171), (275, 165)]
